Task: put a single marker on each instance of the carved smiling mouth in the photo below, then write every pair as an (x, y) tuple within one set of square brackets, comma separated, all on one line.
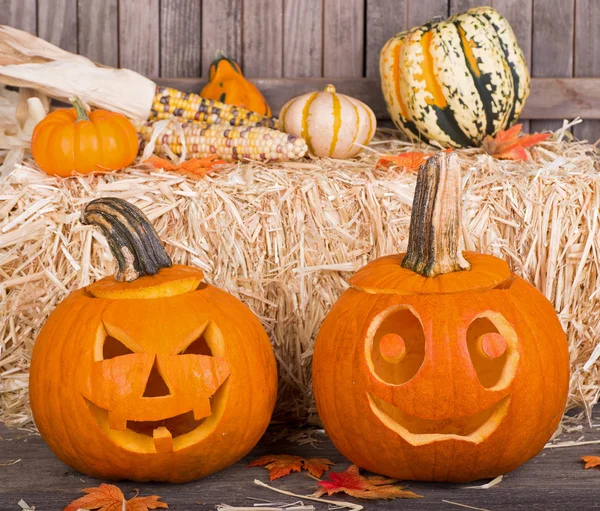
[(417, 431), (165, 435)]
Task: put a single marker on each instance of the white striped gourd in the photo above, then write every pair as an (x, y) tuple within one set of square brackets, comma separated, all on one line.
[(333, 125), (455, 81)]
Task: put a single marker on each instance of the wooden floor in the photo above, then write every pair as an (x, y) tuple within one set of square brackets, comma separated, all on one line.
[(554, 480)]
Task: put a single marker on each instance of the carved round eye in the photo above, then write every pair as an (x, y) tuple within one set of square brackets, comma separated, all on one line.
[(489, 349), (490, 345), (392, 348), (396, 346)]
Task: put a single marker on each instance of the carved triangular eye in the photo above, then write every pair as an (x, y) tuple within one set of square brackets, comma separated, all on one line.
[(198, 347), (112, 348)]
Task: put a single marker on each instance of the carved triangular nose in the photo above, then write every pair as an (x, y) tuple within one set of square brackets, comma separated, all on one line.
[(156, 385)]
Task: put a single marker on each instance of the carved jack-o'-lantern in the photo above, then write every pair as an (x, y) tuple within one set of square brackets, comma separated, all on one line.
[(440, 365), (151, 374)]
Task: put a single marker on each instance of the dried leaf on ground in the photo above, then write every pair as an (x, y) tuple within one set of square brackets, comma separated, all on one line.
[(510, 144), (411, 160), (372, 487), (108, 497), (196, 168), (591, 461), (280, 465)]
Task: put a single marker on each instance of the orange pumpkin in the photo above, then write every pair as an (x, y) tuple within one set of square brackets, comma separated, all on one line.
[(440, 365), (152, 374), (228, 84), (73, 141)]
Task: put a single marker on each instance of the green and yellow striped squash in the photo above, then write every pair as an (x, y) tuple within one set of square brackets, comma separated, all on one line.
[(455, 81), (333, 125)]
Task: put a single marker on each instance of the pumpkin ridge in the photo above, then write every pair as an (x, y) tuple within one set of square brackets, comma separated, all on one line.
[(304, 133), (337, 123)]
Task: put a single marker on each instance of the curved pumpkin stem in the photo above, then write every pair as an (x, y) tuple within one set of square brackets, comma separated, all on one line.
[(79, 109), (433, 240), (132, 240)]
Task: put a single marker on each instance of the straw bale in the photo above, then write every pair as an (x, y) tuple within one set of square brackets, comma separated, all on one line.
[(285, 237)]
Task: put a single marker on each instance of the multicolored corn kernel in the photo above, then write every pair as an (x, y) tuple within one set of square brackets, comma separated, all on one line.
[(230, 143), (170, 103)]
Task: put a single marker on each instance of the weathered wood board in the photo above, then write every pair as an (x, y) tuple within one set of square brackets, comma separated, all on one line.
[(553, 481), (550, 98), (305, 38)]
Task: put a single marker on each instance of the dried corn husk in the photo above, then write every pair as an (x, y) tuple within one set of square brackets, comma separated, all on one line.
[(28, 61)]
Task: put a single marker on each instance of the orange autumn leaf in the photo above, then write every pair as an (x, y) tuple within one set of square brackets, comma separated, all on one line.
[(510, 144), (280, 465), (108, 497), (591, 461), (409, 161), (196, 168), (372, 487)]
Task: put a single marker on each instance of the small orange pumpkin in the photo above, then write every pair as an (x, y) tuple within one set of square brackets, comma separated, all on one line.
[(228, 84), (151, 374), (73, 141), (440, 365)]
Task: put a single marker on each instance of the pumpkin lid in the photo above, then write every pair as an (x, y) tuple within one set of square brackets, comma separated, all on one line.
[(434, 262), (386, 276), (144, 268)]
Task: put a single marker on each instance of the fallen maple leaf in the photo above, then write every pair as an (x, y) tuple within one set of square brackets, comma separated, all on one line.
[(108, 497), (591, 461), (373, 487), (409, 161), (196, 168), (508, 145), (280, 465)]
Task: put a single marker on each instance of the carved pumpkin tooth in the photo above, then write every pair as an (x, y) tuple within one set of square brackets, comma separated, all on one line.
[(203, 410), (163, 440), (116, 421)]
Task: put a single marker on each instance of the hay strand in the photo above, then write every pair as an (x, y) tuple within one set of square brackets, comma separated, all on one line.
[(284, 237)]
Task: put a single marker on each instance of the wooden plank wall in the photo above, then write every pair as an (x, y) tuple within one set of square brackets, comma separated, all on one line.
[(298, 38)]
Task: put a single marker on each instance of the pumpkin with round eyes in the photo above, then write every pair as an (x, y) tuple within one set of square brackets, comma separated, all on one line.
[(151, 374), (448, 367)]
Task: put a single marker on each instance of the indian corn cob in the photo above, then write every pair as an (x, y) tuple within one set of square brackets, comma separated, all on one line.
[(170, 103), (227, 142)]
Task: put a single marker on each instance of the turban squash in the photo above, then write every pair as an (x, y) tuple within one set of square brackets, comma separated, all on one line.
[(227, 84), (455, 81), (436, 364), (151, 374)]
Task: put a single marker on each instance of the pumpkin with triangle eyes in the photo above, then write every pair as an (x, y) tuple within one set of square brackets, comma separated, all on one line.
[(151, 374), (440, 365)]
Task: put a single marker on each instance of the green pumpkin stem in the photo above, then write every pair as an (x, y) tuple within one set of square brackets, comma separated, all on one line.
[(79, 109), (435, 223), (132, 240)]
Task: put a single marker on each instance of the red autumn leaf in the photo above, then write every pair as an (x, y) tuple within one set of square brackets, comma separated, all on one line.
[(591, 461), (108, 497), (280, 465), (373, 487), (409, 161), (508, 145), (196, 168)]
